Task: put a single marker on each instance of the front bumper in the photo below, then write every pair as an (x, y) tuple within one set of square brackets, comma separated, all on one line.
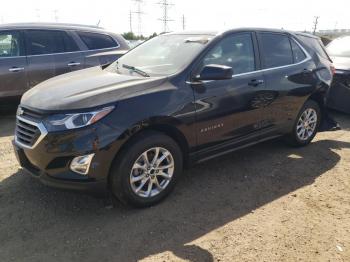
[(86, 185), (50, 160)]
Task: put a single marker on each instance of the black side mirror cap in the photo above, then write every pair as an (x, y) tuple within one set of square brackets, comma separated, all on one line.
[(215, 72)]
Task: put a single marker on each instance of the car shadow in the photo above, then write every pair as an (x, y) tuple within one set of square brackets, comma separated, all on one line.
[(7, 122), (39, 223)]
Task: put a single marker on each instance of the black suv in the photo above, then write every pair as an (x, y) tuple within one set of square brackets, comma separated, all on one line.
[(175, 100), (33, 52)]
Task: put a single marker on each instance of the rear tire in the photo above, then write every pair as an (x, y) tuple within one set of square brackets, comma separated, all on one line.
[(146, 170), (306, 124)]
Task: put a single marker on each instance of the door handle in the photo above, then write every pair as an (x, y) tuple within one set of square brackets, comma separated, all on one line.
[(256, 82), (73, 64), (16, 69)]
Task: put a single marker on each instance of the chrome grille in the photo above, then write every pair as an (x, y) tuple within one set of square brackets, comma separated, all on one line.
[(29, 129)]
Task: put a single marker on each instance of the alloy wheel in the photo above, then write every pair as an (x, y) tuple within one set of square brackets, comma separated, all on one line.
[(152, 172), (307, 123)]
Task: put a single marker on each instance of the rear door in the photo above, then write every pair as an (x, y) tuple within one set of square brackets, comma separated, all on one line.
[(13, 64), (98, 46), (50, 53), (72, 58), (288, 78)]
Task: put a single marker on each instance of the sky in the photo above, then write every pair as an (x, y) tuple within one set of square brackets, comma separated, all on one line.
[(199, 15)]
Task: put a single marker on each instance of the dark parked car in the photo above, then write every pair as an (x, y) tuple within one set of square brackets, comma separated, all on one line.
[(339, 93), (175, 100), (32, 53)]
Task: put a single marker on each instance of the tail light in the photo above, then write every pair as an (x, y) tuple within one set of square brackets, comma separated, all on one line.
[(332, 69)]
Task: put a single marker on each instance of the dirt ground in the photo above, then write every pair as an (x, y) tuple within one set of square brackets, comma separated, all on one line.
[(269, 202)]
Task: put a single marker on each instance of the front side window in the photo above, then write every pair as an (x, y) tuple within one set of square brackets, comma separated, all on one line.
[(41, 42), (162, 55), (10, 44), (235, 51), (95, 41), (275, 50)]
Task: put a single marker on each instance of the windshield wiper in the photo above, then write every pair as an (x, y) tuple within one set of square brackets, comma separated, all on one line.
[(136, 70)]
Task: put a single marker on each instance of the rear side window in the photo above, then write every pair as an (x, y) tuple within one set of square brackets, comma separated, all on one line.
[(10, 44), (69, 44), (298, 53), (97, 41), (275, 50), (315, 44), (41, 42)]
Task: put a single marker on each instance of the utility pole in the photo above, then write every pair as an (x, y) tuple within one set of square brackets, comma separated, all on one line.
[(183, 22), (139, 15), (165, 19), (315, 24), (130, 21)]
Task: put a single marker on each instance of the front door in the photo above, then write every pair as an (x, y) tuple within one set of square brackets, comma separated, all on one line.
[(13, 64), (228, 110)]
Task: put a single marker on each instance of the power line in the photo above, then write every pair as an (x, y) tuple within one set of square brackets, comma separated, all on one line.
[(165, 5)]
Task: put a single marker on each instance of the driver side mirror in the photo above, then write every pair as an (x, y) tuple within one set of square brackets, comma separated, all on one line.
[(215, 72)]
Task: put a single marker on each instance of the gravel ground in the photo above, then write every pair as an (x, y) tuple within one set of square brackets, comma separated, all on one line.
[(269, 202)]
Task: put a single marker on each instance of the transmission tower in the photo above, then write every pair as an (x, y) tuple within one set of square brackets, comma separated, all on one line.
[(130, 21), (55, 13), (165, 5), (183, 22), (315, 24), (139, 14)]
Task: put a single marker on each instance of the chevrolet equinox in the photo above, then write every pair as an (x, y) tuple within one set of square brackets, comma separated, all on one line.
[(177, 99)]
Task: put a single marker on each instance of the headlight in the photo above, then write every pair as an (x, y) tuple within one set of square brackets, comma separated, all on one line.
[(72, 121)]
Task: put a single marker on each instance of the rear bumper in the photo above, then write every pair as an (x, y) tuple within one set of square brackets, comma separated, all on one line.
[(339, 93)]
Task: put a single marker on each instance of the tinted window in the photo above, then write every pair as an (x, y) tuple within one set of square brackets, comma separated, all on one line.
[(235, 51), (40, 42), (97, 41), (69, 44), (10, 44), (298, 53), (315, 44), (275, 50)]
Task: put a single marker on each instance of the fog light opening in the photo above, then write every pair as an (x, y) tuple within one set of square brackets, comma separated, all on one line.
[(81, 164)]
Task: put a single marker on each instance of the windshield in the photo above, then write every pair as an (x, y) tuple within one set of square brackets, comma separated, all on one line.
[(339, 47), (162, 55)]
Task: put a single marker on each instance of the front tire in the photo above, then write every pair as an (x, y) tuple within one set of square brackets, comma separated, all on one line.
[(306, 124), (146, 170)]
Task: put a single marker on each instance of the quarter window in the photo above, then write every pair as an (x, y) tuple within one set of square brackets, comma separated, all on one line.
[(298, 53), (235, 51), (275, 50), (10, 44), (97, 41)]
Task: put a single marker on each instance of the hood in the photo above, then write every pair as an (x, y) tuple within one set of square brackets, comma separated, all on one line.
[(87, 88), (341, 62)]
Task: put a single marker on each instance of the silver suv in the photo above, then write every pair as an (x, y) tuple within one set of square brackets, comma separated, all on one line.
[(32, 53)]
